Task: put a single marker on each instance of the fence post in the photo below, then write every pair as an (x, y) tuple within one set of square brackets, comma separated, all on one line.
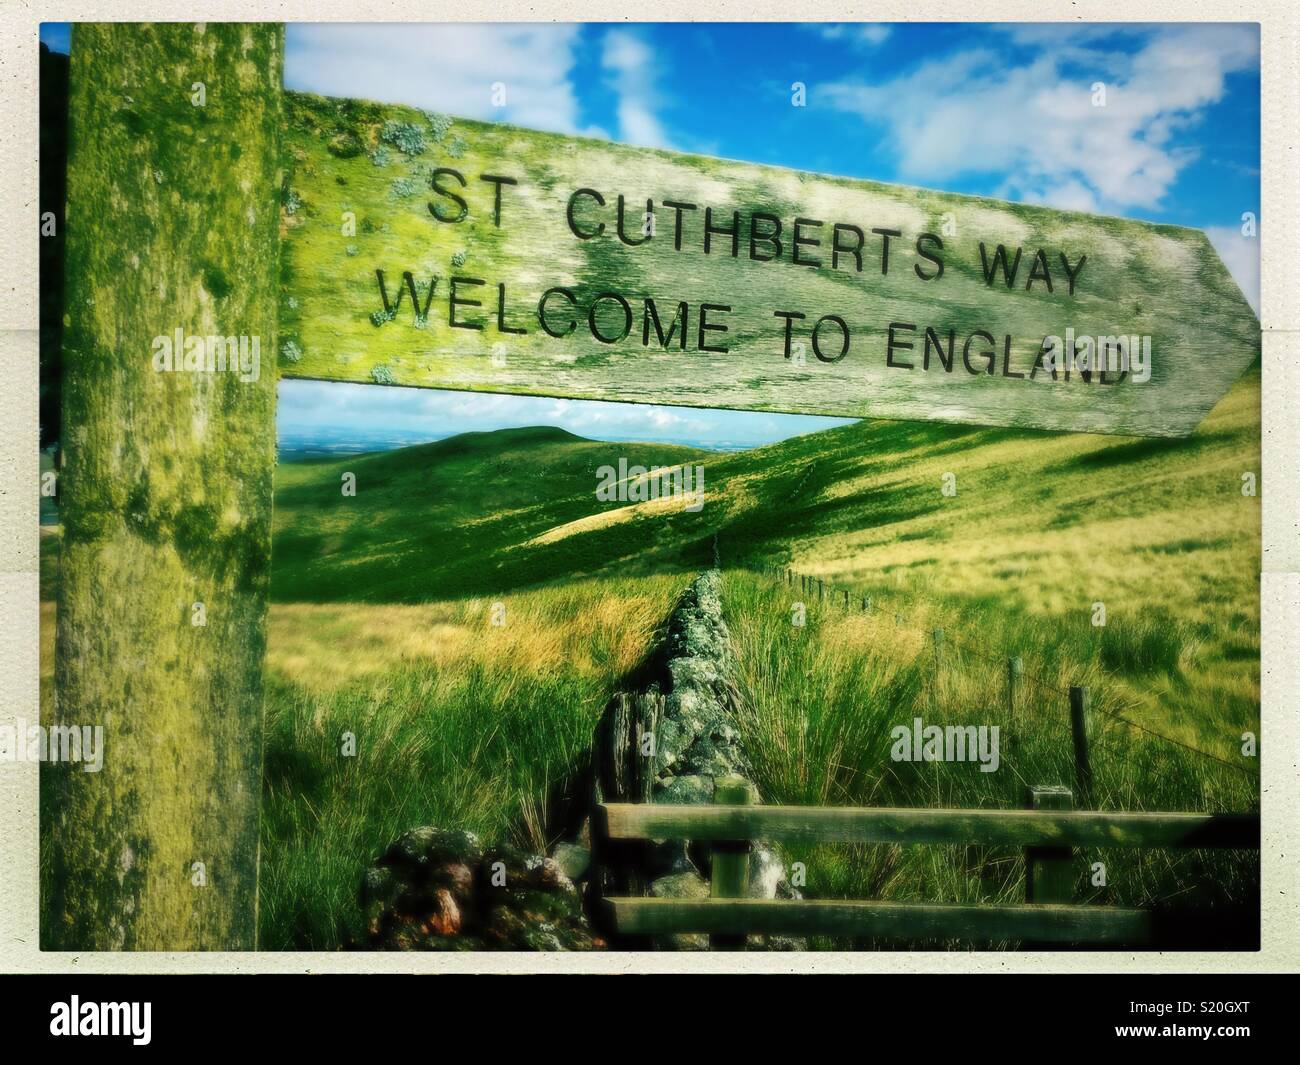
[(1015, 667), (649, 705), (821, 589), (866, 604), (1049, 873), (846, 599), (1079, 723), (730, 858)]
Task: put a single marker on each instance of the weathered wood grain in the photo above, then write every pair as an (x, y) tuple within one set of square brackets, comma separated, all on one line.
[(1020, 828), (894, 920), (1160, 281), (1050, 871), (165, 497)]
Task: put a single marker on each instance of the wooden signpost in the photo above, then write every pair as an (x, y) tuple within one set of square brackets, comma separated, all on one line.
[(445, 253)]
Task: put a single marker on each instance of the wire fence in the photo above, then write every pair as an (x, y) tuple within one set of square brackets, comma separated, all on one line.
[(1015, 676)]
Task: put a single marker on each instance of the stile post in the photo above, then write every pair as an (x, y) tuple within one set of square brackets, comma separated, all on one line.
[(1049, 873), (730, 858), (1079, 729), (649, 706)]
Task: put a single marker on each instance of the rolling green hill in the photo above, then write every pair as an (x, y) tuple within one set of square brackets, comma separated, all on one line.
[(454, 517), (1035, 531), (1041, 530), (501, 510), (1038, 525)]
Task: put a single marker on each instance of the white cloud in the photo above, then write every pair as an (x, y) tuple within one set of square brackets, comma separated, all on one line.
[(868, 34), (630, 63), (972, 112), (1240, 254), (449, 68)]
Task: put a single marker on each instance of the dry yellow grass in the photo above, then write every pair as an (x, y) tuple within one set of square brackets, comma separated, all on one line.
[(588, 628)]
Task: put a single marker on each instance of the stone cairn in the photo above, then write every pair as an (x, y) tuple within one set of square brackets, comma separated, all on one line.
[(436, 889)]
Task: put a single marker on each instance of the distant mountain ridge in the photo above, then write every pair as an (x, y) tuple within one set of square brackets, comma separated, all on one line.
[(484, 513), (297, 445)]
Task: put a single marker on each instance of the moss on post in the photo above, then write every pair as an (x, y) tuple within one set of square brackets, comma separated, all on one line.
[(173, 232)]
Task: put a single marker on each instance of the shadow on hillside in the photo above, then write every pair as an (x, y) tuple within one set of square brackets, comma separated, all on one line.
[(1139, 451)]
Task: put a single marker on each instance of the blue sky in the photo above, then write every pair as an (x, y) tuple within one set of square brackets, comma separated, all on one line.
[(999, 110)]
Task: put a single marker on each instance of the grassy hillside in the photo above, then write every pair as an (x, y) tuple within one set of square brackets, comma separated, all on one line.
[(452, 721), (819, 703), (460, 516), (381, 627), (1041, 528)]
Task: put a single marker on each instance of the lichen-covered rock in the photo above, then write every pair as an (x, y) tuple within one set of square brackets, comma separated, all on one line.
[(424, 878), (438, 889), (574, 859), (687, 885), (528, 903), (697, 743), (687, 790)]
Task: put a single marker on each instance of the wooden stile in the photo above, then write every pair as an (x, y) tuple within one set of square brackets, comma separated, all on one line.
[(730, 860), (1049, 871)]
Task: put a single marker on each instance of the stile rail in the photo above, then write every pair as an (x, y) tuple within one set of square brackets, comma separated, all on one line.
[(1048, 832), (884, 920), (847, 824)]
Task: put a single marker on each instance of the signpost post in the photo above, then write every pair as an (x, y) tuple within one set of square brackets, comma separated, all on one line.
[(166, 492)]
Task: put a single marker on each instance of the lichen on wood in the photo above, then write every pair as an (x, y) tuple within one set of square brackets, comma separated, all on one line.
[(173, 224), (464, 207)]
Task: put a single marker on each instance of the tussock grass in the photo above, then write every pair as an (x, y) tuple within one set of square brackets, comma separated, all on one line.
[(818, 704), (456, 723)]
